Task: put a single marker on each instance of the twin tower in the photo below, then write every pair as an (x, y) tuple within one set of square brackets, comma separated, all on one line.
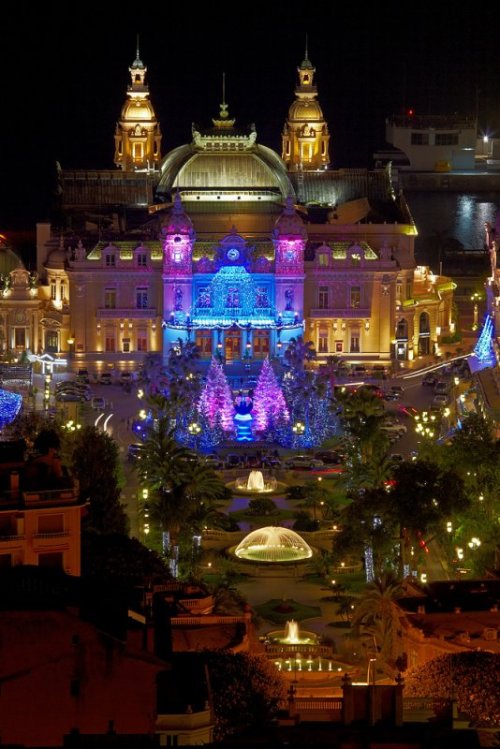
[(305, 138)]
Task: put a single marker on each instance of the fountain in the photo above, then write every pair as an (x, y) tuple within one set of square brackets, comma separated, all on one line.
[(273, 544), (300, 655), (255, 482)]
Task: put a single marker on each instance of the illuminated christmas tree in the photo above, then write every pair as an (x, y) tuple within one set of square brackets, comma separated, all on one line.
[(269, 405), (216, 400)]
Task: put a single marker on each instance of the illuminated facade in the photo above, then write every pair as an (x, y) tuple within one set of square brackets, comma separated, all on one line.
[(239, 251), (137, 136), (305, 137)]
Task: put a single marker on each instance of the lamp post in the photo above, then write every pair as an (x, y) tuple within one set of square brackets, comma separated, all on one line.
[(299, 428), (194, 430)]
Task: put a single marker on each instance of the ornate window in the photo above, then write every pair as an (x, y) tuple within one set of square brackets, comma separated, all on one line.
[(141, 259), (323, 297), (232, 297), (51, 341), (203, 340), (109, 341), (110, 298), (204, 300), (323, 340), (355, 300), (141, 297), (261, 297), (261, 343), (424, 324), (354, 342), (110, 260)]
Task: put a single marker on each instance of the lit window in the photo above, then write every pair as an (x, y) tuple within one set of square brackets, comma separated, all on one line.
[(53, 290), (141, 297), (142, 340), (354, 341), (323, 341), (355, 297), (110, 298), (323, 297)]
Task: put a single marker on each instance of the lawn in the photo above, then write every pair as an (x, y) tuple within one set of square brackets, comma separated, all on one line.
[(280, 610)]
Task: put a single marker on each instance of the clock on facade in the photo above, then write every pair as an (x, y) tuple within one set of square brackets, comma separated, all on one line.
[(233, 254)]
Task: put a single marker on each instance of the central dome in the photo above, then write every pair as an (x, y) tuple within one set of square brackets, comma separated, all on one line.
[(273, 544)]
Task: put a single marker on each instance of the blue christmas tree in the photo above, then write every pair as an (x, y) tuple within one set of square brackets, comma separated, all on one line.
[(483, 348)]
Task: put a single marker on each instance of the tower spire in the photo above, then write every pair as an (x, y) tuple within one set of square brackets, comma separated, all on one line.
[(137, 135), (305, 136), (223, 119)]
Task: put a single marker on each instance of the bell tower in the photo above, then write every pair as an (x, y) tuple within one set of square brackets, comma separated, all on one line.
[(305, 138), (137, 134)]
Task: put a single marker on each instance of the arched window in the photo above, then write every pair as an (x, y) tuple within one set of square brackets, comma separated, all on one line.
[(424, 325)]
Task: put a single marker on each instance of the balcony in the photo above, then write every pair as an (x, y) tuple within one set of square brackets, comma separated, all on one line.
[(134, 313), (50, 540), (349, 313)]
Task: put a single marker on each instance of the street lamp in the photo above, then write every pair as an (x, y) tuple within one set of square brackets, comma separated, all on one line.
[(299, 428), (194, 430)]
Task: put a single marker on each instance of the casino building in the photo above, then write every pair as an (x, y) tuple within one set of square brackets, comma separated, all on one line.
[(222, 242)]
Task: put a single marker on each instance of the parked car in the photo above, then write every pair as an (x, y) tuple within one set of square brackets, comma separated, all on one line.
[(396, 458), (441, 388), (134, 452), (329, 457), (304, 462), (98, 403), (213, 461), (70, 396), (105, 378), (398, 389), (126, 378), (441, 400), (232, 460), (373, 389), (83, 376), (393, 430), (429, 379)]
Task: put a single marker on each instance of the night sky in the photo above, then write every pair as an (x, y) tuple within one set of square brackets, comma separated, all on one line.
[(66, 72)]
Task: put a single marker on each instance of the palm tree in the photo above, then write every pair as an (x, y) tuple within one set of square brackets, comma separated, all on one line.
[(362, 413), (160, 468), (376, 617), (299, 352)]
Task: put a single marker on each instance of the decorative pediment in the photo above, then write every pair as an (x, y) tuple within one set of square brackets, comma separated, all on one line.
[(50, 322)]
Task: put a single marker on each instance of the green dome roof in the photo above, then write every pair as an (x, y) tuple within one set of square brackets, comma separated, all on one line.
[(9, 260)]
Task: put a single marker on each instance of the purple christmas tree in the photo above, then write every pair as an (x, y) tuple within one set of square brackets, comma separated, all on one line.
[(216, 400), (269, 405)]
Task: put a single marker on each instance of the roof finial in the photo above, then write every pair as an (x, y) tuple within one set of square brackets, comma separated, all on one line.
[(137, 56), (307, 51), (223, 107)]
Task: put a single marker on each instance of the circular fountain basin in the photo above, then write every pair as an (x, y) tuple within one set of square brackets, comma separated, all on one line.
[(273, 544)]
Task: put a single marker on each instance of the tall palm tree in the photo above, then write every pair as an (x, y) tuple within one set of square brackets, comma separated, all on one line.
[(160, 468), (376, 617)]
